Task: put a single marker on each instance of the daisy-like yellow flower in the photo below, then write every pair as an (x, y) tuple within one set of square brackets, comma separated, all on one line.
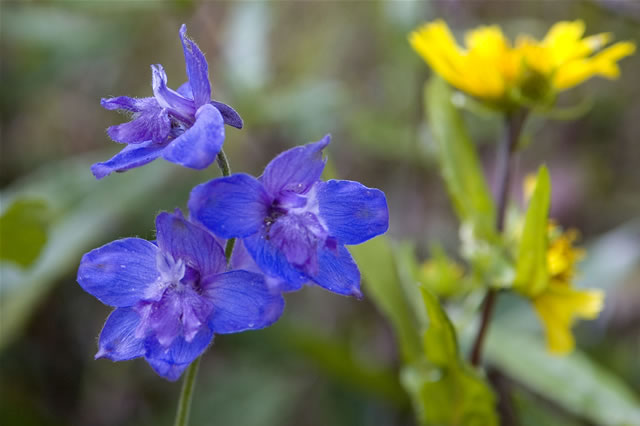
[(493, 69), (559, 304)]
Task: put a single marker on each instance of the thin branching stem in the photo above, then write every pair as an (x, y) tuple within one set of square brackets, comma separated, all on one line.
[(513, 127)]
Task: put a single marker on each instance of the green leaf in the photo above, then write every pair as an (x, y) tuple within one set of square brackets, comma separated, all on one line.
[(444, 388), (382, 283), (574, 382), (459, 162), (23, 230), (440, 343), (531, 264)]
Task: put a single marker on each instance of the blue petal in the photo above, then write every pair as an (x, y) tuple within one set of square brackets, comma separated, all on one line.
[(117, 338), (230, 116), (338, 272), (241, 259), (128, 104), (272, 261), (130, 157), (118, 273), (152, 124), (198, 146), (233, 206), (241, 301), (297, 169), (190, 242), (352, 212), (171, 362), (180, 106), (197, 69)]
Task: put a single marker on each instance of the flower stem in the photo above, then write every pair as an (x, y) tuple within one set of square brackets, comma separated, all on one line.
[(223, 163), (513, 127), (184, 403)]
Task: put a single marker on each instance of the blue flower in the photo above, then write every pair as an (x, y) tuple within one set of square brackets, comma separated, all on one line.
[(185, 126), (294, 225), (172, 296)]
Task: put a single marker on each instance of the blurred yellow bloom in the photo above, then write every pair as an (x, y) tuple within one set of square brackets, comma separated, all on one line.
[(559, 304), (492, 69)]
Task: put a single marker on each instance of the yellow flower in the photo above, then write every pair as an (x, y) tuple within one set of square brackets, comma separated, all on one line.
[(489, 67), (559, 304)]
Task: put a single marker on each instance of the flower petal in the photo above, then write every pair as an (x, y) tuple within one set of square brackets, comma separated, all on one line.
[(118, 273), (117, 338), (230, 116), (151, 124), (241, 259), (197, 69), (190, 242), (180, 106), (273, 261), (352, 212), (130, 157), (171, 362), (297, 169), (338, 272), (232, 206), (241, 301), (197, 147), (128, 104)]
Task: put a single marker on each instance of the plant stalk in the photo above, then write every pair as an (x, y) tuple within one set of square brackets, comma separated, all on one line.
[(513, 127), (186, 395)]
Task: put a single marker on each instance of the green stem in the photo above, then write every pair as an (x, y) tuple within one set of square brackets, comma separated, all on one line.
[(184, 403), (513, 124)]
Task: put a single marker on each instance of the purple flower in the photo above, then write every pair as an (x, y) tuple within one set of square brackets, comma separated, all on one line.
[(171, 297), (293, 225), (185, 126)]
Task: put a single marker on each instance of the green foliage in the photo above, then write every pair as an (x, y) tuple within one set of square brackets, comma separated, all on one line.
[(23, 230), (574, 382), (445, 389), (377, 263), (531, 265), (460, 166), (442, 275)]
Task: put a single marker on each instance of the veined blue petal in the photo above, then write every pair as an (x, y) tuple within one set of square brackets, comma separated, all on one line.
[(151, 124), (352, 212), (119, 272), (171, 362), (338, 272), (197, 147), (241, 259), (185, 90), (230, 116), (272, 260), (117, 338), (197, 69), (190, 242), (297, 169), (241, 301), (130, 157), (180, 106), (233, 206)]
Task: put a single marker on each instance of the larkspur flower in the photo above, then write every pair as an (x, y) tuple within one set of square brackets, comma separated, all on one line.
[(504, 75), (185, 126), (172, 296), (295, 226)]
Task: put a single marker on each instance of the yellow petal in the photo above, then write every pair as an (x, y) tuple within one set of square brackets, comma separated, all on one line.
[(603, 64), (559, 306)]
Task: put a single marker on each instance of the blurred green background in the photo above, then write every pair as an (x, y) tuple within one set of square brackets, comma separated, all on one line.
[(294, 71)]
